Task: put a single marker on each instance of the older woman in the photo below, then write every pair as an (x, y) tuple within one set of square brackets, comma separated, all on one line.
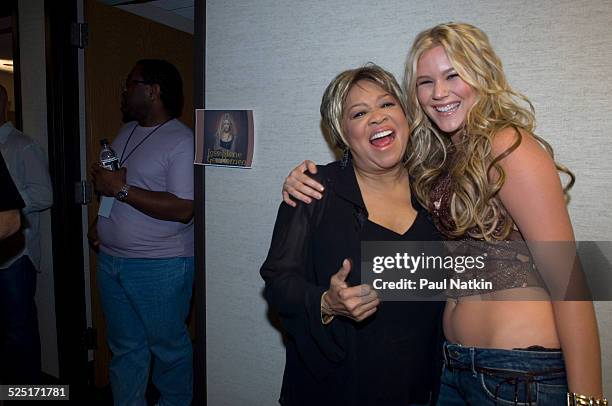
[(343, 348), (473, 157)]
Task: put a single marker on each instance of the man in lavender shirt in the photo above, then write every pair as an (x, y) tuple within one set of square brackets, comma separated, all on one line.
[(145, 240)]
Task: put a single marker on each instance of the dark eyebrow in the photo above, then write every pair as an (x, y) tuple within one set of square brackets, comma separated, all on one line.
[(444, 73), (355, 105), (382, 96)]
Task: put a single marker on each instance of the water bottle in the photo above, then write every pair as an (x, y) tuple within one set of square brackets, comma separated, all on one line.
[(108, 158)]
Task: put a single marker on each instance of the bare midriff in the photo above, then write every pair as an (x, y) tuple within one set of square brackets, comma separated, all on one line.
[(478, 321)]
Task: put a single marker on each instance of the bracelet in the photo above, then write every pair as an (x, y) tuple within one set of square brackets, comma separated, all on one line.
[(574, 399), (326, 313)]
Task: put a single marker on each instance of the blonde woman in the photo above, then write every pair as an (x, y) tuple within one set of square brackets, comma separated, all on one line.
[(483, 174), (225, 136)]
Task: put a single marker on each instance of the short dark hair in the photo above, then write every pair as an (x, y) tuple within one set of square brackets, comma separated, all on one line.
[(165, 74)]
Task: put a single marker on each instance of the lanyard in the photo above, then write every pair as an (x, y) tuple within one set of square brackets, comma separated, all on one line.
[(121, 160)]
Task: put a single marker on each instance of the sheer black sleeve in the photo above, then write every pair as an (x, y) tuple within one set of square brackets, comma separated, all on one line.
[(291, 289)]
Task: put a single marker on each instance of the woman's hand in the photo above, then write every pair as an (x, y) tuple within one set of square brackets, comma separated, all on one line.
[(301, 186), (355, 302)]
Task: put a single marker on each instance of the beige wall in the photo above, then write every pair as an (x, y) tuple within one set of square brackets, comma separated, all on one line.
[(277, 57)]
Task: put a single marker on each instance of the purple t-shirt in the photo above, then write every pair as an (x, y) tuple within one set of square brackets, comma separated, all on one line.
[(162, 163)]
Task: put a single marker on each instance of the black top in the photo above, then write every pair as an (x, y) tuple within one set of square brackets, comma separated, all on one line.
[(392, 358), (10, 199), (226, 144)]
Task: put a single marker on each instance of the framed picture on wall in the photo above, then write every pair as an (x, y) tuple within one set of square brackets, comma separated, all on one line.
[(224, 138)]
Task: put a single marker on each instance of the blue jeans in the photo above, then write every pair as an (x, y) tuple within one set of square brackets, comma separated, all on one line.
[(145, 304), (19, 337), (483, 376)]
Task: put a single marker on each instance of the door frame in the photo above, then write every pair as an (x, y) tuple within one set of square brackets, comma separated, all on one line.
[(66, 220), (199, 352), (68, 258)]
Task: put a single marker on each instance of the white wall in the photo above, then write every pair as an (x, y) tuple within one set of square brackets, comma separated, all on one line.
[(276, 57), (34, 109)]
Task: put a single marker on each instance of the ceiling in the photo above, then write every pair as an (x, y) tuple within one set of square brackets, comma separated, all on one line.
[(183, 8)]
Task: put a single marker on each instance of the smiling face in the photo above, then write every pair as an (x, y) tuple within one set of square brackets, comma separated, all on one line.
[(226, 125), (375, 127), (442, 94)]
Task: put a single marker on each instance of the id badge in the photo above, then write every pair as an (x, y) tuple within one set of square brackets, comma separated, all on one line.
[(106, 205)]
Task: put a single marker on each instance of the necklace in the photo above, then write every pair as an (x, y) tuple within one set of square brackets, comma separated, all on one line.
[(121, 160)]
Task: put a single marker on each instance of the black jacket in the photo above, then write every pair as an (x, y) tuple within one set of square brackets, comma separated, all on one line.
[(389, 359)]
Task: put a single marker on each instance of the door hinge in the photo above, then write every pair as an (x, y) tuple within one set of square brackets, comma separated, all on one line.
[(79, 35), (82, 192)]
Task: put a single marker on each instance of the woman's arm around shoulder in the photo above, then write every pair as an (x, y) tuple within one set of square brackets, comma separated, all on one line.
[(302, 187)]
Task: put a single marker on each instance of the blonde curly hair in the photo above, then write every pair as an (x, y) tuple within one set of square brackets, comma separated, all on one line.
[(476, 208)]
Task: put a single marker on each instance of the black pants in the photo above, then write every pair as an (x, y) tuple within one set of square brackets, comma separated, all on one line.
[(19, 337)]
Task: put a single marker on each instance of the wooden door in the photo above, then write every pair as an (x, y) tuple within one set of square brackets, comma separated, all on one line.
[(117, 39)]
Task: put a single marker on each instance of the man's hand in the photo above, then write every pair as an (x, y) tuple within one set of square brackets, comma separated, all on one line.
[(356, 302), (107, 183)]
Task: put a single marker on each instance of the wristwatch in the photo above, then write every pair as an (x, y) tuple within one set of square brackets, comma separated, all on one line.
[(123, 193)]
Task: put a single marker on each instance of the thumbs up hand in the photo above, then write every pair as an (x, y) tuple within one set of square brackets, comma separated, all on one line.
[(355, 302)]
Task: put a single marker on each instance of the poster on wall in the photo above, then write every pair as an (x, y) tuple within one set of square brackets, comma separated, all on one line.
[(224, 138)]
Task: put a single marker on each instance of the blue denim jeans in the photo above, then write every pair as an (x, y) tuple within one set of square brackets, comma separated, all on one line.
[(145, 304), (483, 376), (19, 337)]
